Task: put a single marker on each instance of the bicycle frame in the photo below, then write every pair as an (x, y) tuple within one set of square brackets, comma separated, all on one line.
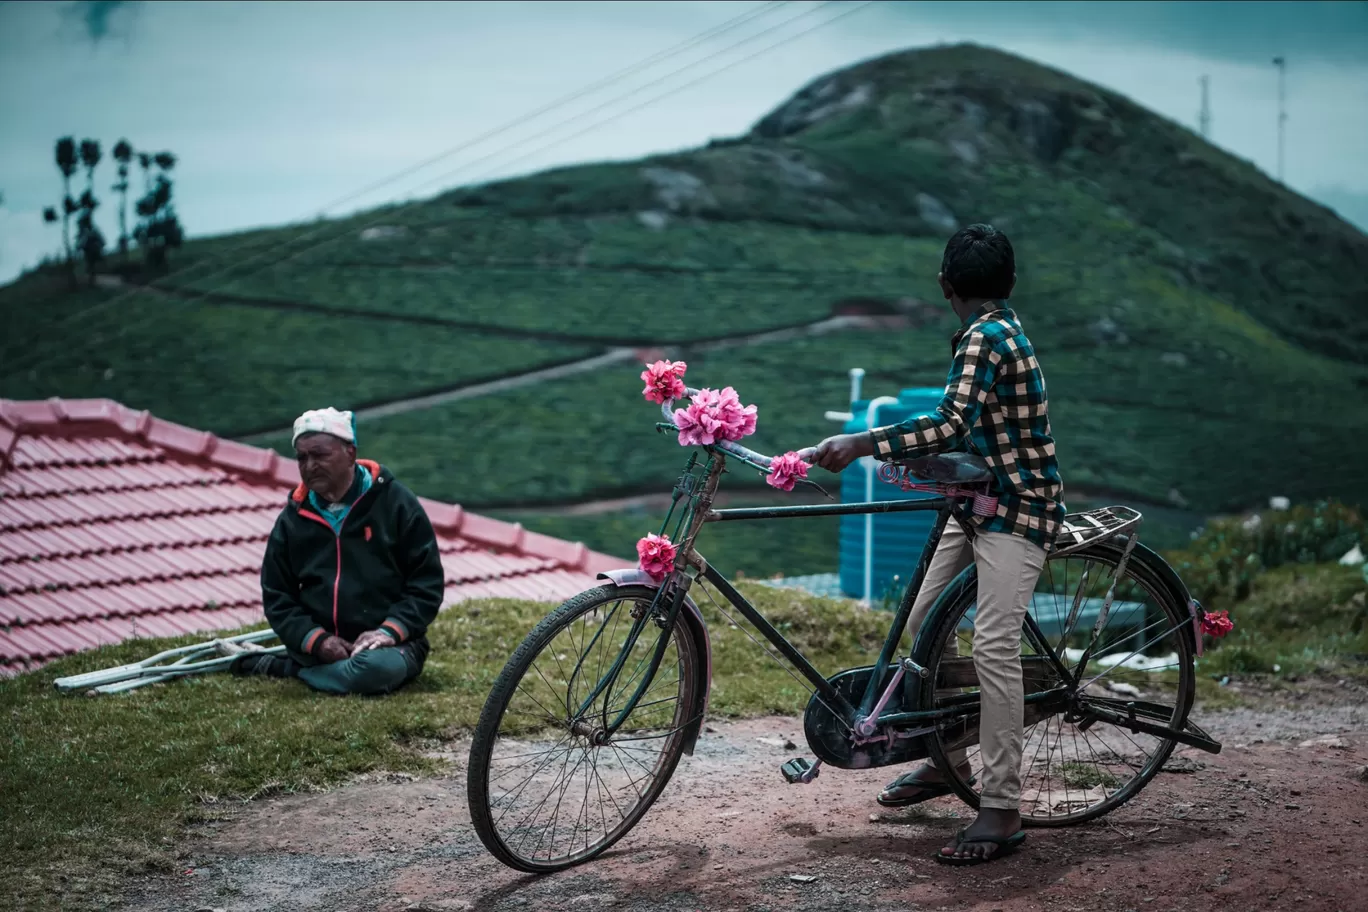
[(865, 718)]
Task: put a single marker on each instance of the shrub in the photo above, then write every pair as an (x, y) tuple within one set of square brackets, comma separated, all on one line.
[(1221, 563)]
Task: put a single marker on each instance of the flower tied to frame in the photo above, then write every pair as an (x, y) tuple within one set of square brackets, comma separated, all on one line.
[(656, 556)]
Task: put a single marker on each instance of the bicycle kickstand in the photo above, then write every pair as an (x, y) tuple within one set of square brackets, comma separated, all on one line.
[(800, 770)]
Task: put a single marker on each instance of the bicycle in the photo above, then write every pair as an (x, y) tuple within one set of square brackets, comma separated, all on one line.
[(608, 692)]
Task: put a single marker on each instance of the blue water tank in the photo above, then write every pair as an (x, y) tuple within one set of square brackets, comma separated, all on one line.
[(898, 537)]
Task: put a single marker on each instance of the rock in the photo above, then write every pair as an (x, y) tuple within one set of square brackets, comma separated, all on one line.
[(821, 100), (1106, 330), (1129, 690), (1252, 523), (772, 742), (1183, 765), (789, 745), (1279, 503), (679, 190), (1363, 774), (383, 233), (935, 213), (653, 219), (802, 878), (1040, 129), (965, 151), (1353, 557), (1173, 359), (1332, 741)]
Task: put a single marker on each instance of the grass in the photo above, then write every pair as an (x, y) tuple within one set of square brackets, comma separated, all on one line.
[(96, 789), (234, 369)]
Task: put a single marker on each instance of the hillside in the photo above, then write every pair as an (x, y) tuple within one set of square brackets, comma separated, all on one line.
[(1202, 328)]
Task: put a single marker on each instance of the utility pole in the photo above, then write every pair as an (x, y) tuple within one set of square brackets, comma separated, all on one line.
[(1204, 118), (1281, 64)]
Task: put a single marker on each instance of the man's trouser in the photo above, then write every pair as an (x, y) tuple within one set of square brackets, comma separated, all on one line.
[(372, 672), (1008, 567)]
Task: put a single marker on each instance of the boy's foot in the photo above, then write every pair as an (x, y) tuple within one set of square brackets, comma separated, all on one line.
[(993, 834), (269, 666), (922, 784)]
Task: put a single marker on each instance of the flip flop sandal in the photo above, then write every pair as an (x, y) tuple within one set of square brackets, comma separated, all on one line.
[(1005, 846), (928, 791)]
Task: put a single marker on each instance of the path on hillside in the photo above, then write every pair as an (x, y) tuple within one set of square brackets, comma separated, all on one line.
[(615, 355), (1275, 822)]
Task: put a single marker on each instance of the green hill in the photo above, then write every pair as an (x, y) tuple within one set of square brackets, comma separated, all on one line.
[(1202, 328)]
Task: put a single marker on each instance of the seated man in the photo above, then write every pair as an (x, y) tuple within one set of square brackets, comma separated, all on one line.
[(352, 576)]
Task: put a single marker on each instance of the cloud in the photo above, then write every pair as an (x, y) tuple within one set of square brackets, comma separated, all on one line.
[(95, 16)]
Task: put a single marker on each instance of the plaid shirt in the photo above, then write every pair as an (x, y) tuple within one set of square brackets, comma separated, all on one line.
[(994, 407)]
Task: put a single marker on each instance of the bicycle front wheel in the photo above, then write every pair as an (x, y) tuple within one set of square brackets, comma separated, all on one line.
[(1074, 767), (547, 789)]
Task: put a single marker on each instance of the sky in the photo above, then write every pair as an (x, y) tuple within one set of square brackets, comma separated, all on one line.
[(283, 111)]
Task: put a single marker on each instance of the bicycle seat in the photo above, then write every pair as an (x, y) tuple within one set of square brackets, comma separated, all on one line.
[(950, 468)]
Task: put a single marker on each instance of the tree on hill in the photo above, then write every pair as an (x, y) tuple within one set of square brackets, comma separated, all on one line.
[(159, 229), (66, 163), (123, 154), (89, 239)]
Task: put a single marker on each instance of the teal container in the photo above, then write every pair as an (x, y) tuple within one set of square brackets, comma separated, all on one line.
[(898, 537)]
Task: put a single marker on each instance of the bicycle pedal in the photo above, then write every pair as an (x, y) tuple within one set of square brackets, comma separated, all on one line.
[(800, 770)]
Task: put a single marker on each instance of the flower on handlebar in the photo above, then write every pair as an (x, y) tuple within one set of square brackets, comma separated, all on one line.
[(785, 471), (1217, 623), (656, 555), (663, 381), (712, 416)]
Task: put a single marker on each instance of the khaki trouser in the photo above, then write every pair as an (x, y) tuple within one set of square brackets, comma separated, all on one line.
[(1008, 567)]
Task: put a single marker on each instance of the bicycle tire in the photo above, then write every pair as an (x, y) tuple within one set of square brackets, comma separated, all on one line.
[(1148, 578), (487, 730)]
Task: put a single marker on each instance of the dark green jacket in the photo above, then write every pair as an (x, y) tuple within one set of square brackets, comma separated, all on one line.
[(381, 570)]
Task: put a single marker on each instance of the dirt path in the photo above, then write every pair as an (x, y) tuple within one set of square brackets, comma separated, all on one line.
[(1276, 821)]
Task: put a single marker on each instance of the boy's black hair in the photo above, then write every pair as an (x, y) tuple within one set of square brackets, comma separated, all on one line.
[(979, 263)]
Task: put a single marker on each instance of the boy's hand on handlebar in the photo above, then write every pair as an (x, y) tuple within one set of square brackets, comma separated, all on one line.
[(835, 453)]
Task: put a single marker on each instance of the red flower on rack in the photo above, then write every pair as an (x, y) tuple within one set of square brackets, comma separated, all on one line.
[(785, 471), (663, 381), (656, 555), (1217, 623)]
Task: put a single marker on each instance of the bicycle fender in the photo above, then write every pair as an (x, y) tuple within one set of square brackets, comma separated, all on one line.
[(693, 618)]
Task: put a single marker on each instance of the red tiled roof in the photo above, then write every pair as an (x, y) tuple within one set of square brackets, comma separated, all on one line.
[(115, 524)]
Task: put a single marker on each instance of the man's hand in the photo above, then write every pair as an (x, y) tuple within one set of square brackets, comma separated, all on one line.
[(372, 639), (334, 649), (835, 453)]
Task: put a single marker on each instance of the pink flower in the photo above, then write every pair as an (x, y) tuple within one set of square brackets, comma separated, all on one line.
[(785, 471), (663, 381), (737, 422), (656, 556), (712, 416), (1217, 623)]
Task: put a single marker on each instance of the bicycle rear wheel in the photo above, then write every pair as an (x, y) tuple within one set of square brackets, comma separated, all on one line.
[(1075, 769), (546, 789)]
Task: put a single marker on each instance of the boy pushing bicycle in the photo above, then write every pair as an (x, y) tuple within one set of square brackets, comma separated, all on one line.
[(995, 406)]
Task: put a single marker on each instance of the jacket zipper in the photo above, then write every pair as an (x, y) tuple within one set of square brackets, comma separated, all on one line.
[(337, 537)]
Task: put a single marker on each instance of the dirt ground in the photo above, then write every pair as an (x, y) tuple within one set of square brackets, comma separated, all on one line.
[(1276, 821)]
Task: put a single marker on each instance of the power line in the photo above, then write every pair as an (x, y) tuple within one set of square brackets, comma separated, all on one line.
[(646, 63)]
